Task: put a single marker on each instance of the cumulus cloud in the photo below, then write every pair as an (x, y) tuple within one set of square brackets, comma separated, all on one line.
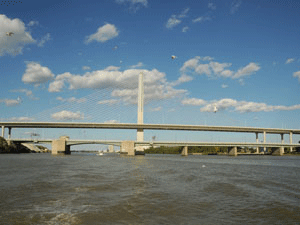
[(71, 99), (182, 79), (37, 74), (289, 60), (124, 84), (235, 5), (112, 68), (13, 45), (134, 4), (103, 34), (10, 102), (44, 40), (216, 69), (68, 115), (239, 106), (297, 75)]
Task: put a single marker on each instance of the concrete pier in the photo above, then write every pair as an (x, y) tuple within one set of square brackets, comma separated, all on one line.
[(232, 151), (257, 141), (265, 148), (291, 141), (128, 147), (279, 151), (59, 146), (3, 129), (111, 149), (184, 151), (9, 136)]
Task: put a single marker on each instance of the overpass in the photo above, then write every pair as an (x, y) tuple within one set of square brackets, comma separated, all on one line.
[(232, 146)]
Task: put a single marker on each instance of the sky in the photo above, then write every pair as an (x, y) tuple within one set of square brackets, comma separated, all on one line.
[(79, 61)]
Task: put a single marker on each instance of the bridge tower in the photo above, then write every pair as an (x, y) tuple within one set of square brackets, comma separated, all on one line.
[(140, 119)]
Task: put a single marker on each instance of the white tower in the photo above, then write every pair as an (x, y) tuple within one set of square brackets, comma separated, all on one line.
[(140, 120)]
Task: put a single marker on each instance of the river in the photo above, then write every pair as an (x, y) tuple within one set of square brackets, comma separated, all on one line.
[(153, 189)]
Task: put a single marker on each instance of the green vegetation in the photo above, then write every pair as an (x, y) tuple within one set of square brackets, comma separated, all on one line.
[(12, 148), (192, 149)]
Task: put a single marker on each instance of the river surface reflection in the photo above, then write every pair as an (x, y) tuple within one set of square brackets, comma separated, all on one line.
[(151, 189)]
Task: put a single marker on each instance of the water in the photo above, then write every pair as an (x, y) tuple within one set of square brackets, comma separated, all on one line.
[(155, 189)]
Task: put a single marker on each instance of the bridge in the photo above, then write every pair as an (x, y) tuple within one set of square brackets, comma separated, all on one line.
[(63, 144)]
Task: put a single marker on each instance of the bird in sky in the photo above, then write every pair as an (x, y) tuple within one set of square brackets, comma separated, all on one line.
[(215, 109), (9, 34), (173, 57)]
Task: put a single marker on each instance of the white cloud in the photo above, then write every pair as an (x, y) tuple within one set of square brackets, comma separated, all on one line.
[(185, 29), (13, 45), (173, 21), (112, 68), (297, 75), (140, 64), (212, 6), (37, 74), (201, 19), (103, 34), (71, 99), (235, 5), (33, 23), (108, 101), (155, 109), (124, 84), (44, 40), (111, 121), (224, 86), (134, 4), (247, 70), (67, 115), (217, 69), (184, 12), (182, 79), (86, 68), (239, 106), (10, 102), (289, 60), (22, 119)]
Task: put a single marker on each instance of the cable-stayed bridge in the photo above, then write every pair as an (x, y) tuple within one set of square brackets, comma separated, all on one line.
[(140, 126)]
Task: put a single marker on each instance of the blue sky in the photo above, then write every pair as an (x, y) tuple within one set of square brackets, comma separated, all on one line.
[(80, 62)]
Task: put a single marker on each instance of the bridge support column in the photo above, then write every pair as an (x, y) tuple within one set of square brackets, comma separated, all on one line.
[(257, 141), (127, 147), (232, 151), (9, 136), (110, 148), (184, 151), (265, 148), (3, 128), (59, 146), (278, 151), (291, 141)]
